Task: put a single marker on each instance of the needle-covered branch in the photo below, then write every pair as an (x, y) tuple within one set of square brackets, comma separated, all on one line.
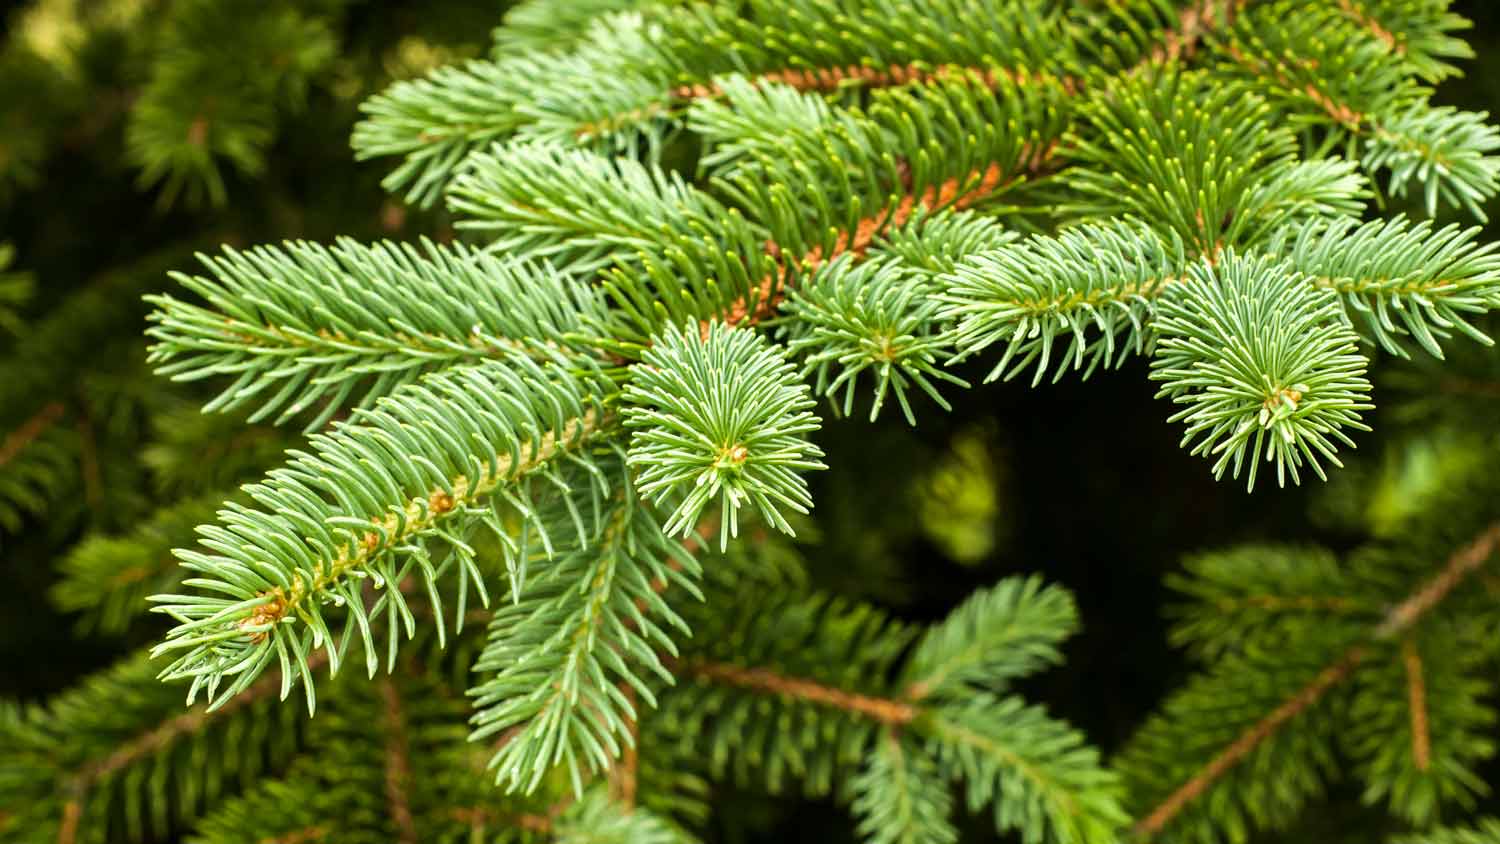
[(303, 326), (720, 417), (393, 493), (1247, 744)]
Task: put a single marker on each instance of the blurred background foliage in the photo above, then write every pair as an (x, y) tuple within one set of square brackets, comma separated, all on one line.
[(134, 132)]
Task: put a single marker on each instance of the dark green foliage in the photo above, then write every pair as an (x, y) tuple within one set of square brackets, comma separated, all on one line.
[(648, 237)]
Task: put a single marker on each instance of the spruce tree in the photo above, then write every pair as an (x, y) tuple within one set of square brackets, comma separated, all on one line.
[(537, 561)]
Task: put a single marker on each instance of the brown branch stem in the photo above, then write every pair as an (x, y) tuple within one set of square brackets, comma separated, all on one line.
[(884, 710), (1416, 695), (17, 440), (1358, 14), (957, 193), (397, 763)]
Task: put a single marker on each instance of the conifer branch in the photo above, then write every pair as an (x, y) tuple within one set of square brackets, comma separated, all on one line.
[(164, 735), (864, 172), (901, 796), (302, 324), (75, 788), (1339, 112), (470, 434), (624, 774), (957, 193), (1155, 820), (589, 628), (397, 525), (1463, 563)]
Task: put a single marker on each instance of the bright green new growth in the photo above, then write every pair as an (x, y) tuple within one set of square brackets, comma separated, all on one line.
[(673, 215), (1260, 358), (719, 416)]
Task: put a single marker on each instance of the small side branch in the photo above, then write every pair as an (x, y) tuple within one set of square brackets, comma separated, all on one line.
[(1399, 620), (397, 763), (16, 441), (957, 193), (1248, 741), (1416, 693), (884, 710), (67, 831), (624, 773)]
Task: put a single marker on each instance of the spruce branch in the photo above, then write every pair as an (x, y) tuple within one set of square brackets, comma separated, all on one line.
[(1395, 622), (580, 641), (1257, 596), (1421, 723), (1348, 88), (720, 416), (585, 212), (305, 325), (901, 797), (116, 740), (206, 102), (107, 578), (622, 338), (1200, 162), (878, 317), (1093, 278), (1400, 278), (1449, 154), (1040, 776), (1265, 365), (628, 80), (1009, 630), (436, 122), (471, 442), (827, 666), (701, 259), (386, 763)]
